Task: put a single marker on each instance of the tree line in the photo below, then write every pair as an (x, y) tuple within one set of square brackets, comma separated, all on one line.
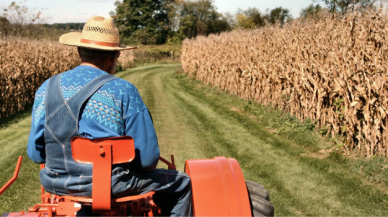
[(66, 26), (156, 22), (171, 21)]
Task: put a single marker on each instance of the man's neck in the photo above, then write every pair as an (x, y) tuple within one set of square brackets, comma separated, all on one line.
[(103, 67), (89, 64)]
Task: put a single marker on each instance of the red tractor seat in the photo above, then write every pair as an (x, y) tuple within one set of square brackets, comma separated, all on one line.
[(103, 153)]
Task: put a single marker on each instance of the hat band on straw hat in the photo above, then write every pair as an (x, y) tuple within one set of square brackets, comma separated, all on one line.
[(100, 43)]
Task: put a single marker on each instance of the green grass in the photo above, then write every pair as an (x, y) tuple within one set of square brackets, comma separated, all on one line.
[(24, 192), (195, 121)]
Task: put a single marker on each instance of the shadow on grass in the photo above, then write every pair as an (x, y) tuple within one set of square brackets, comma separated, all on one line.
[(6, 121)]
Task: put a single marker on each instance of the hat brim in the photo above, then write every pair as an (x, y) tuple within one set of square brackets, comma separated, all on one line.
[(74, 39)]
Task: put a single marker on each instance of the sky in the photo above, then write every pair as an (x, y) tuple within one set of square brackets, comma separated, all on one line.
[(63, 11)]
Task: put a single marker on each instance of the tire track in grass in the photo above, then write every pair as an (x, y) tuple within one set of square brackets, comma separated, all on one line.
[(175, 135), (201, 125)]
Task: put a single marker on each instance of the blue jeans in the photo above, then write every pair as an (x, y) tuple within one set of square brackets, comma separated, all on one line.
[(172, 189)]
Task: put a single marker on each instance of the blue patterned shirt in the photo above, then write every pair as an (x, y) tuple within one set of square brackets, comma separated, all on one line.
[(116, 109)]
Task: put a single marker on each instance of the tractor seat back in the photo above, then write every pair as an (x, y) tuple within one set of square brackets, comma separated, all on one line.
[(102, 153), (87, 151)]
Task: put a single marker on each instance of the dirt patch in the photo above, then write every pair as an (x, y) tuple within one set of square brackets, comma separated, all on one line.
[(272, 130), (235, 109), (322, 154), (243, 112)]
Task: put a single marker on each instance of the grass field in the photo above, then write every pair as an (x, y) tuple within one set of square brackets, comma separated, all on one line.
[(194, 121)]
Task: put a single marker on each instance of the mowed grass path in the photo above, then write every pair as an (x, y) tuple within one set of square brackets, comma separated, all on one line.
[(192, 124)]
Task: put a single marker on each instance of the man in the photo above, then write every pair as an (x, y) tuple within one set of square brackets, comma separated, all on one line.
[(89, 101)]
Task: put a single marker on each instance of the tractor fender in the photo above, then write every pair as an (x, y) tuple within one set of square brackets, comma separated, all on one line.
[(218, 187)]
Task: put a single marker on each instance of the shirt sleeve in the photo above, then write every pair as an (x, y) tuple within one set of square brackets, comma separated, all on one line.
[(138, 125), (36, 144)]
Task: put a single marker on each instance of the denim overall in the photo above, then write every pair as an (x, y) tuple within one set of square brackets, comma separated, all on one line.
[(62, 175)]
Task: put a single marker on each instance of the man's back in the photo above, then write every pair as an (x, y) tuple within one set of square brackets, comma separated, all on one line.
[(89, 101), (115, 109)]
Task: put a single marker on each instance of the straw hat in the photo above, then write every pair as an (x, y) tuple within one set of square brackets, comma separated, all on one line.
[(98, 33)]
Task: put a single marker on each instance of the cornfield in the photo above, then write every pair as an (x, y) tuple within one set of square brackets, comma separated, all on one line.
[(332, 70), (125, 60), (25, 65)]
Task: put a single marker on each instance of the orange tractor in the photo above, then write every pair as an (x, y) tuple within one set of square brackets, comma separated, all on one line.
[(218, 186)]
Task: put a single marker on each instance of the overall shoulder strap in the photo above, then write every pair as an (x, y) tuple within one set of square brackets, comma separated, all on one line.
[(54, 98)]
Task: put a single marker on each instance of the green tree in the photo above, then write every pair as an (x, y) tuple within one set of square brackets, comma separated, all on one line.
[(230, 18), (218, 25), (311, 11), (144, 22), (250, 18), (200, 17), (256, 16), (344, 6), (278, 14), (4, 26), (244, 22)]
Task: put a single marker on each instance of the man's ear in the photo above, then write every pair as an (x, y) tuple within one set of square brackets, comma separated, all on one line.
[(113, 57)]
